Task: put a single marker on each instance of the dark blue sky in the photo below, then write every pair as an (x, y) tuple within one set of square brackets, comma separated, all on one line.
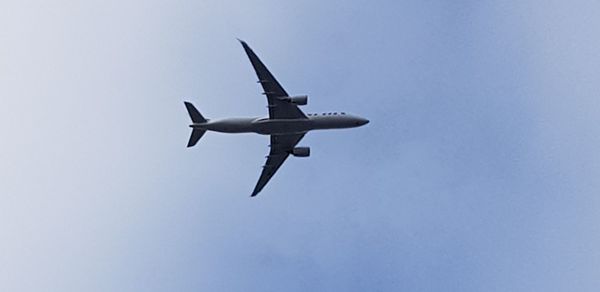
[(477, 172)]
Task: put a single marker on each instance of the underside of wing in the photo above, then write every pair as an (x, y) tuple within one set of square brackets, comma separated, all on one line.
[(281, 147), (278, 108)]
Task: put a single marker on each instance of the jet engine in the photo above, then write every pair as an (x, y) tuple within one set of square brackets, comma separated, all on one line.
[(301, 151), (299, 100)]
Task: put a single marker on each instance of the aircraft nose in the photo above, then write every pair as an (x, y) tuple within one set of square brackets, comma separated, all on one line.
[(362, 121)]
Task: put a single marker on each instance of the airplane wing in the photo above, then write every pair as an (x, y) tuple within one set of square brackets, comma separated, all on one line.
[(278, 109), (281, 146)]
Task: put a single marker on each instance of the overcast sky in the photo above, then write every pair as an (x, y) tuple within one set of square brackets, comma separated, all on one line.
[(478, 171)]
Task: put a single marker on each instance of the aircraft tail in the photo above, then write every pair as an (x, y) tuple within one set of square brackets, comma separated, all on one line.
[(197, 118), (196, 135), (194, 113)]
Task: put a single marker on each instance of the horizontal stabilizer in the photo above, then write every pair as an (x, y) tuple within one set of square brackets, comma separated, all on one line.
[(196, 135), (194, 113)]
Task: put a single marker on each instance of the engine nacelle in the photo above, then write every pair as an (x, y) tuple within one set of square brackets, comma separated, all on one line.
[(299, 100), (301, 151)]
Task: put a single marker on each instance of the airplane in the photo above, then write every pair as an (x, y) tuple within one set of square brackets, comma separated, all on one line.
[(286, 123)]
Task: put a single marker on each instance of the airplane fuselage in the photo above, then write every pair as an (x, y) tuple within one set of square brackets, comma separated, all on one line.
[(266, 126)]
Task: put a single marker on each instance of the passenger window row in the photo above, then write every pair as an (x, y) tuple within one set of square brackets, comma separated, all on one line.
[(327, 114)]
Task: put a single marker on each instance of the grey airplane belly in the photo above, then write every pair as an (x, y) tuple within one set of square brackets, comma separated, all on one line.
[(231, 125), (274, 126)]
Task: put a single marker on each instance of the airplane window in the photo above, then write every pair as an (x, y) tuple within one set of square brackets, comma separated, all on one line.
[(343, 113), (335, 114)]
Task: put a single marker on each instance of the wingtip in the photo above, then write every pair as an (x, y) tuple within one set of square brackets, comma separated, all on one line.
[(255, 192), (245, 46), (241, 41)]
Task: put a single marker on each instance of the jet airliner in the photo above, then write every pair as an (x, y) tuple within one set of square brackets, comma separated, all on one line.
[(286, 123)]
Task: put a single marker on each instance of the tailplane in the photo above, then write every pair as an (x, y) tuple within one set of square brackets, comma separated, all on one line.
[(197, 118), (196, 135), (194, 113)]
